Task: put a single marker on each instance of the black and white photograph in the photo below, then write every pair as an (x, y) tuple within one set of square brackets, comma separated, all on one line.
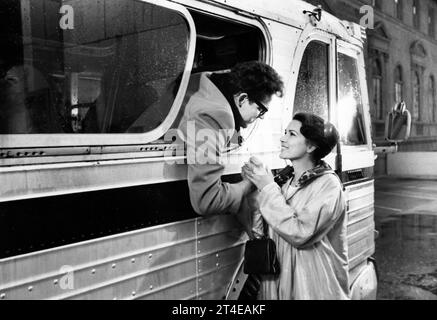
[(228, 152)]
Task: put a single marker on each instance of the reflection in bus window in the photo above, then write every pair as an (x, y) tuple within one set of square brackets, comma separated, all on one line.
[(101, 76), (350, 103), (221, 43), (312, 83)]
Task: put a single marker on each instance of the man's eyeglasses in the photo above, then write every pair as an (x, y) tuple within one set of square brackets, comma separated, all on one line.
[(261, 108)]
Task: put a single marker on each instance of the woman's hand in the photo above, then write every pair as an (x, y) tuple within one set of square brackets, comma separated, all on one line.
[(257, 173)]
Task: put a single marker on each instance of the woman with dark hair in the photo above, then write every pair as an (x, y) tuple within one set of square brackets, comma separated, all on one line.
[(306, 217)]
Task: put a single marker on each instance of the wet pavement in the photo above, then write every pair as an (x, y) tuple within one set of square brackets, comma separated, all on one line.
[(406, 247)]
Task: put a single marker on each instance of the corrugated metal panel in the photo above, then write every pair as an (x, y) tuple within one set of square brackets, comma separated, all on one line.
[(102, 250), (213, 285), (98, 265), (87, 277), (361, 250), (175, 291), (184, 260), (361, 225), (220, 248), (139, 284)]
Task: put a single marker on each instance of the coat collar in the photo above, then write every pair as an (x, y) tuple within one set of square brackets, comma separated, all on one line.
[(309, 175), (285, 176)]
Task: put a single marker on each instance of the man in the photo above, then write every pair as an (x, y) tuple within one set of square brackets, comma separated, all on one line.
[(217, 106)]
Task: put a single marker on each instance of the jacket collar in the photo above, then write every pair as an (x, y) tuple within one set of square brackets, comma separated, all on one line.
[(283, 179), (221, 81), (308, 176)]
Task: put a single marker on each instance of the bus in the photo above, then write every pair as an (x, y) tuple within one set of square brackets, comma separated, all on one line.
[(94, 202)]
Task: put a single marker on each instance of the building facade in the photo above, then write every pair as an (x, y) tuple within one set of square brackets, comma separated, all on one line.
[(401, 56)]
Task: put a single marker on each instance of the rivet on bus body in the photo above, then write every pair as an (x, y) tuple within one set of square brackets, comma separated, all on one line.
[(133, 293), (30, 288), (151, 287), (55, 282), (3, 295), (150, 256), (113, 266), (133, 260), (93, 271)]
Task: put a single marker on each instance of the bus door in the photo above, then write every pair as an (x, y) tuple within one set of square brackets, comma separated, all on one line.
[(357, 162)]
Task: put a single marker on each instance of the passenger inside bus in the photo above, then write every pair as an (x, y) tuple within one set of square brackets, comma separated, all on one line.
[(220, 105)]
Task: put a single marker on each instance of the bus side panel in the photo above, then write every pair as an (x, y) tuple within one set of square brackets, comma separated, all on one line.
[(220, 249), (361, 225), (169, 261)]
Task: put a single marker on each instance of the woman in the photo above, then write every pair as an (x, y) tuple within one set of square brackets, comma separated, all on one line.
[(307, 217)]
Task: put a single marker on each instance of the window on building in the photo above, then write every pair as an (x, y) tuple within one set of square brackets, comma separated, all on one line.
[(432, 99), (416, 14), (350, 102), (399, 9), (416, 95), (377, 89), (431, 22), (312, 83), (399, 85)]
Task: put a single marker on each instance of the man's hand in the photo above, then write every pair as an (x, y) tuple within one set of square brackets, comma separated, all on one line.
[(257, 173)]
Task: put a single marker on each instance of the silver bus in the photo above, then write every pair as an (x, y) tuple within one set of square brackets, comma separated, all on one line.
[(92, 203)]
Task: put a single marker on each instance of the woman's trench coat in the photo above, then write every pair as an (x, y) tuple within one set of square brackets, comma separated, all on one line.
[(309, 226)]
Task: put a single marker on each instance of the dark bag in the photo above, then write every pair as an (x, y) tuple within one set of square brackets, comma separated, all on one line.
[(260, 257)]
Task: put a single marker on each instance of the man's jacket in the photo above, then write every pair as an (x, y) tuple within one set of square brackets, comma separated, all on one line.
[(207, 126)]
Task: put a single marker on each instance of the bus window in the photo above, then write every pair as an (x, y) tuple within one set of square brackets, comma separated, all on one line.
[(113, 65), (312, 83), (221, 43), (350, 103)]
